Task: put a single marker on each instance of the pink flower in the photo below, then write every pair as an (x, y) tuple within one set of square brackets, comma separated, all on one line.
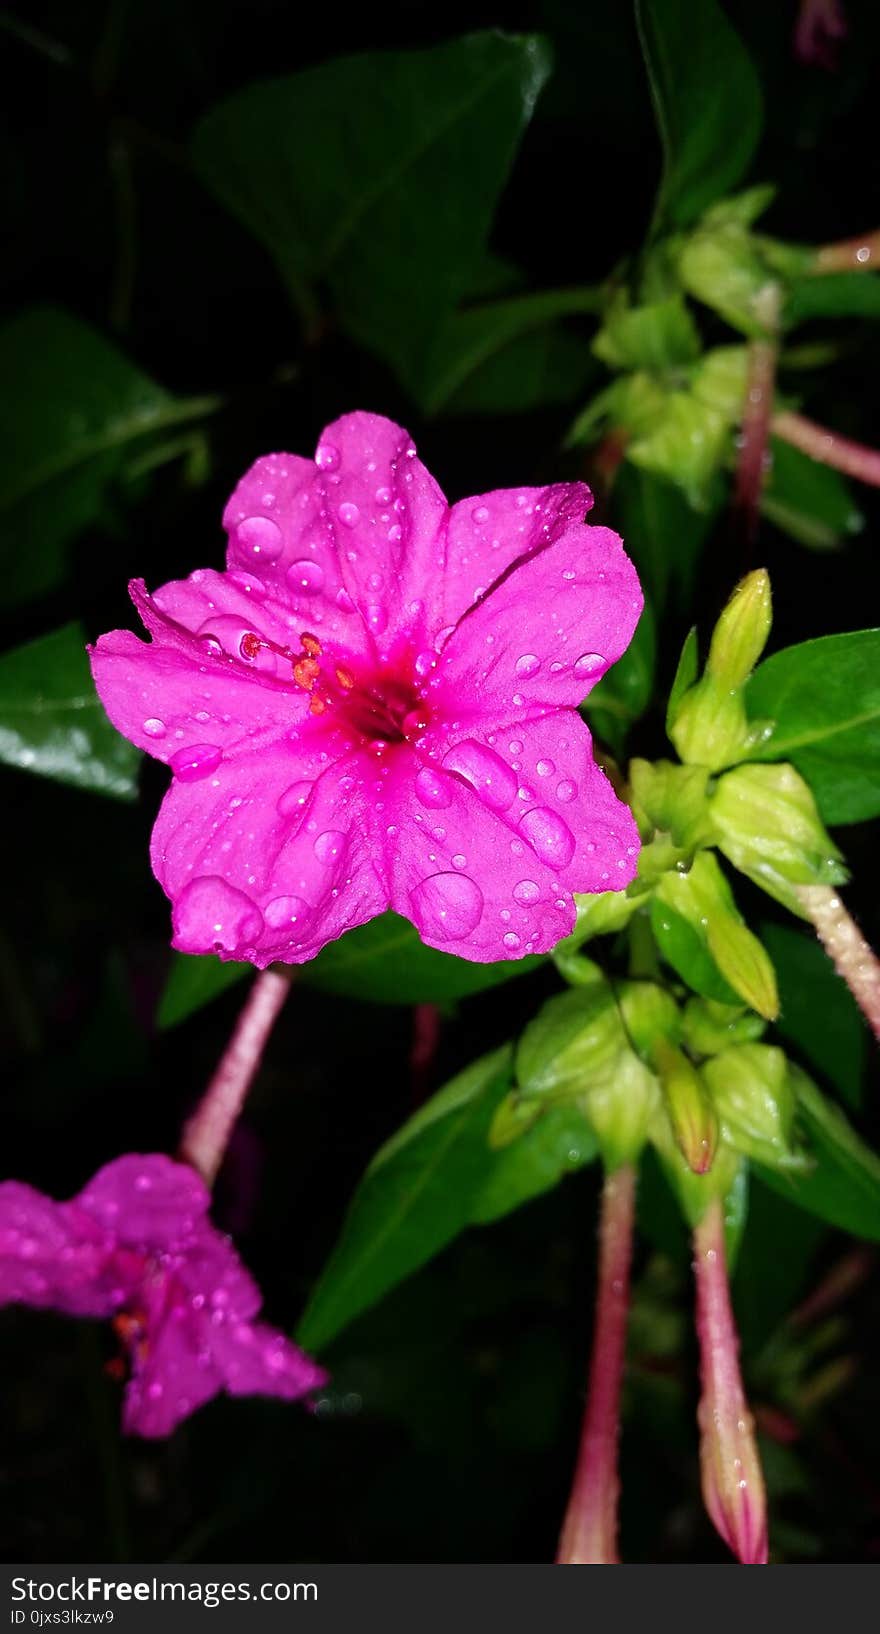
[(136, 1244), (376, 706)]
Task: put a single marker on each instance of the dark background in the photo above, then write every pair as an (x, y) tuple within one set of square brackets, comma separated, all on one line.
[(449, 1430)]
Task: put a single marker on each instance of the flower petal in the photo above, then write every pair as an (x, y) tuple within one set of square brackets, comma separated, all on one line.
[(361, 525), (46, 1260), (488, 532), (547, 632), (173, 1373), (270, 856), (255, 1359), (147, 1202), (493, 842)]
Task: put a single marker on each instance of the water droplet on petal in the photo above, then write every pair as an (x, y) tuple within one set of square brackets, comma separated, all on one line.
[(259, 538), (550, 838), (432, 788), (459, 860), (188, 765), (545, 768), (377, 617), (566, 791), (349, 515), (294, 800), (480, 514), (383, 495), (211, 914), (528, 664), (526, 891), (424, 663), (486, 772), (510, 939), (286, 910), (155, 728), (588, 663), (306, 577), (329, 845), (326, 457), (447, 907)]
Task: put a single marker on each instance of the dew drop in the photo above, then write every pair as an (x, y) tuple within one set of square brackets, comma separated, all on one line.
[(326, 457), (447, 907), (188, 765), (515, 747), (424, 663), (528, 664), (394, 533), (349, 515), (259, 538), (545, 768), (383, 496), (211, 915), (510, 939), (459, 860), (294, 800), (588, 663), (344, 601), (155, 728), (550, 838), (329, 845), (526, 891), (566, 791), (480, 514), (432, 788), (286, 910), (377, 617), (306, 577), (486, 772)]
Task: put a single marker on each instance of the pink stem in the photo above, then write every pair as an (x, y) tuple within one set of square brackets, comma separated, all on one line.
[(855, 459), (845, 945), (850, 255), (425, 1038), (757, 410), (206, 1134), (589, 1531), (733, 1485)]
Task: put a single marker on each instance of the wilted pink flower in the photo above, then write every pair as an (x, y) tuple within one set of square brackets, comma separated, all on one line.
[(733, 1483), (820, 26), (376, 706), (136, 1245)]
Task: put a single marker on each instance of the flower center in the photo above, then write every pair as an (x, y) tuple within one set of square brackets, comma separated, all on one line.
[(383, 709)]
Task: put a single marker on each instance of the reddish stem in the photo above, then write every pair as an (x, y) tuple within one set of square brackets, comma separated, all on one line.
[(854, 459), (589, 1531), (733, 1485), (845, 945), (425, 1038), (860, 254), (206, 1134)]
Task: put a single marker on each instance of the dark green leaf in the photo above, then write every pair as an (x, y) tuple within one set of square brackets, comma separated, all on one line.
[(844, 1186), (559, 1141), (471, 339), (74, 411), (52, 723), (817, 1011), (685, 675), (810, 501), (383, 961), (824, 700), (414, 148), (663, 533), (707, 99), (625, 692), (418, 1193), (542, 368), (832, 295)]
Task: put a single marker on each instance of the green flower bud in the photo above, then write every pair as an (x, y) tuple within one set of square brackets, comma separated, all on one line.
[(740, 636), (755, 1101), (691, 1113), (703, 898), (709, 1027), (769, 828), (577, 1048), (658, 336), (649, 1013), (674, 800), (694, 1192), (721, 265), (711, 727), (513, 1116)]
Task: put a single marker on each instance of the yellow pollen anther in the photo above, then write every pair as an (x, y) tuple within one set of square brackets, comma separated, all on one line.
[(310, 644), (316, 704), (345, 679), (306, 672)]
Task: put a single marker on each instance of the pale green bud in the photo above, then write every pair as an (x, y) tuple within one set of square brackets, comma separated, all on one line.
[(704, 899), (649, 1013), (755, 1101), (709, 1027), (694, 1191), (711, 727), (740, 636), (674, 800), (689, 1108), (768, 826)]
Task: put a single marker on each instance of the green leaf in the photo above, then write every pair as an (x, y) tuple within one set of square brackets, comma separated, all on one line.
[(383, 961), (844, 1186), (832, 295), (707, 99), (559, 1141), (418, 1193), (74, 412), (52, 722), (625, 692), (817, 1011), (823, 698), (686, 951), (378, 176), (471, 339), (807, 500), (539, 369), (664, 535), (685, 675), (660, 335)]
